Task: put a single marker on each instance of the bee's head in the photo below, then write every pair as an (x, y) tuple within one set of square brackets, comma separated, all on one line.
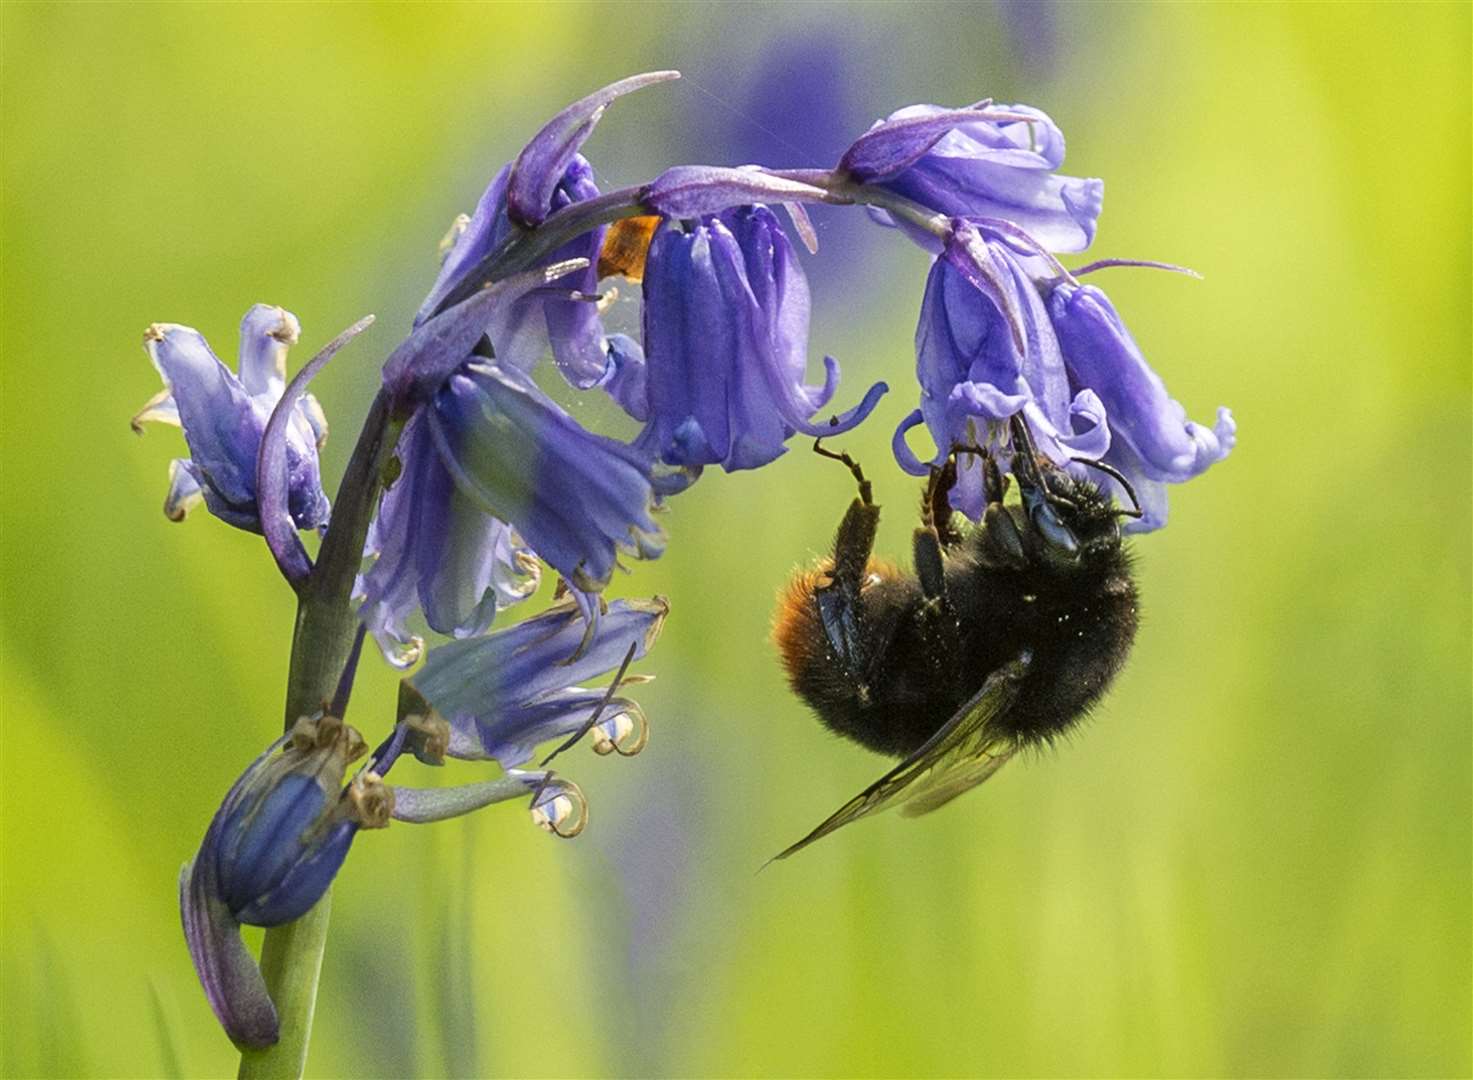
[(1072, 520)]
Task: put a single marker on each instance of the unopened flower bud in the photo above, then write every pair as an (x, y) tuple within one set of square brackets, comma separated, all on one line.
[(286, 831), (270, 853)]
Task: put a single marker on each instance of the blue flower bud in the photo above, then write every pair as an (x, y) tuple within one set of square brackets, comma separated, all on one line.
[(270, 853)]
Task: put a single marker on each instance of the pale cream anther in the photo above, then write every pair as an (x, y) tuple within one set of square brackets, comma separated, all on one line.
[(456, 230)]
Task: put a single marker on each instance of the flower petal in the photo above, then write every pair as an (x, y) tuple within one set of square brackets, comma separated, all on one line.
[(221, 424), (482, 232), (185, 489), (904, 456), (159, 409), (539, 167), (510, 690), (266, 333), (579, 499), (626, 376), (1101, 355)]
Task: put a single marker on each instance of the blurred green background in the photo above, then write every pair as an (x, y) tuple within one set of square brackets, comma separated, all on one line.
[(1256, 861)]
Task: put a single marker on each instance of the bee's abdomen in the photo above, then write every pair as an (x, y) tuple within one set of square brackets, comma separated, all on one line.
[(872, 698)]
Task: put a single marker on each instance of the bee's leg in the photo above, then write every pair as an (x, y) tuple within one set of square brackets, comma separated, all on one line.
[(838, 601), (936, 617), (998, 544), (936, 512), (866, 492)]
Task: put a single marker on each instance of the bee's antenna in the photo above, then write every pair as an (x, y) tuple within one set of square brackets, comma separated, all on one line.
[(866, 492), (1114, 473)]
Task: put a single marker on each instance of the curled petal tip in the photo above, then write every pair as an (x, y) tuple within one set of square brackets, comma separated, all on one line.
[(540, 166), (561, 808), (625, 733)]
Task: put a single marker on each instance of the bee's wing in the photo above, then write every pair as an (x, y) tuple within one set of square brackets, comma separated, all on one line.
[(966, 751)]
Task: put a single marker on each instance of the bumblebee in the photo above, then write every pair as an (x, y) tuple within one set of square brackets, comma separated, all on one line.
[(1003, 638)]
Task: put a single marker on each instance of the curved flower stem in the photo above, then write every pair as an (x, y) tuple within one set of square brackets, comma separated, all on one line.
[(291, 956), (842, 188)]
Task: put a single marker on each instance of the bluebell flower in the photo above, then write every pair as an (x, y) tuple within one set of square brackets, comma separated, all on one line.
[(981, 168), (270, 852), (726, 309), (510, 691), (1153, 443), (548, 175), (974, 375), (224, 414), (541, 319), (435, 548), (579, 500), (1079, 378)]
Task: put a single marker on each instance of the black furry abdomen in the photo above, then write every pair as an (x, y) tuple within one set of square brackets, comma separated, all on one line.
[(1077, 626)]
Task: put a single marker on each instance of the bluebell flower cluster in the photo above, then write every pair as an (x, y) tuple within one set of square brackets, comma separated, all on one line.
[(486, 478)]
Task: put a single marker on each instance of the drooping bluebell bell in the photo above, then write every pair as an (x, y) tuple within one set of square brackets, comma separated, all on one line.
[(726, 309), (506, 693), (548, 175), (982, 356), (435, 549), (1153, 443), (569, 326), (269, 854), (1080, 379), (578, 499), (223, 415), (984, 168), (488, 460)]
